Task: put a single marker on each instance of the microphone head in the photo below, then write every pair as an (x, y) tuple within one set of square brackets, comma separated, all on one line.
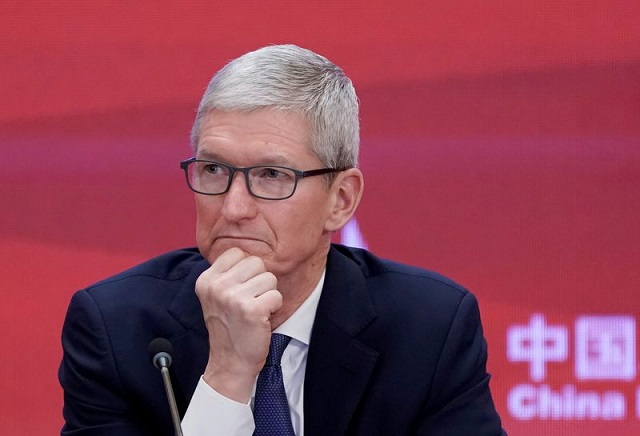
[(160, 351)]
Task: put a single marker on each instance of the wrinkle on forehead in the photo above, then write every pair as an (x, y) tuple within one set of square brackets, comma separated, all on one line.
[(279, 119), (265, 136)]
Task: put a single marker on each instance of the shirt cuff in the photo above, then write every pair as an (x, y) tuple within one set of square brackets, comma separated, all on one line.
[(212, 413)]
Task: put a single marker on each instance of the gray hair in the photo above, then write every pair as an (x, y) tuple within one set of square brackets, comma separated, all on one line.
[(290, 78)]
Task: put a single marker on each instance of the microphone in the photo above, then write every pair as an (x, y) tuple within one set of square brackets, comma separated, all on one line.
[(160, 351)]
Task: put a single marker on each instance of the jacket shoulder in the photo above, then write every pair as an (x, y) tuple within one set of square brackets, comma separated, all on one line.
[(171, 266), (398, 275)]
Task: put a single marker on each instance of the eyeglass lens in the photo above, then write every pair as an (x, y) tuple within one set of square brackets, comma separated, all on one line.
[(264, 181)]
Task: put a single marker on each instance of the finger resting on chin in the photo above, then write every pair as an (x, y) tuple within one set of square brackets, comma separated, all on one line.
[(228, 259)]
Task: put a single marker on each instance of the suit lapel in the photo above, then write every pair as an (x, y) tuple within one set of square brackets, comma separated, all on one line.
[(338, 365)]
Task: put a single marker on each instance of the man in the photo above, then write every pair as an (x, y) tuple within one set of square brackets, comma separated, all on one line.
[(371, 347)]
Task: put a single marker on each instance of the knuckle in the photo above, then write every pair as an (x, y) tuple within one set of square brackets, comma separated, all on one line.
[(271, 279)]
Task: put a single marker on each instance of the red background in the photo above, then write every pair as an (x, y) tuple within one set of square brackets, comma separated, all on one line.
[(500, 145)]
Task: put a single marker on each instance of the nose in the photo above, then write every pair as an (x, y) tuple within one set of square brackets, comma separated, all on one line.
[(238, 203)]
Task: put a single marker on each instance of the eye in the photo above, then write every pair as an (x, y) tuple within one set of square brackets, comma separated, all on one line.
[(271, 173), (212, 168)]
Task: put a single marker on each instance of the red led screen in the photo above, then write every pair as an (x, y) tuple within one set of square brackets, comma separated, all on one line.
[(500, 147)]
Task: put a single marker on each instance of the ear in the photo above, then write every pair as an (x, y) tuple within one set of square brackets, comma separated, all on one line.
[(346, 192)]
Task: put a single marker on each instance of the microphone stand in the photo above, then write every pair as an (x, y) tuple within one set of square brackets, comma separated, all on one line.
[(160, 351), (175, 416)]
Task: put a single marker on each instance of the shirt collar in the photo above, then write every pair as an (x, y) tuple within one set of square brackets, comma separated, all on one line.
[(298, 325)]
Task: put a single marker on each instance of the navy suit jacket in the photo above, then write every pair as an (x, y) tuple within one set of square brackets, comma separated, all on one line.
[(395, 350)]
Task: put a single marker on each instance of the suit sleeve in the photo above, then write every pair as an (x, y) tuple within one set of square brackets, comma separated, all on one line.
[(94, 401), (460, 402)]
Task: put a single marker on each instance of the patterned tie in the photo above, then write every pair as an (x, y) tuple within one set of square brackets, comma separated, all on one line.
[(270, 408)]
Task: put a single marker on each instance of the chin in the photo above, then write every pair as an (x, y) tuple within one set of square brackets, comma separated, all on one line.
[(253, 247)]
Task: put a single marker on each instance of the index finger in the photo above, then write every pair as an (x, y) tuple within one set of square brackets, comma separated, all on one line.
[(228, 260)]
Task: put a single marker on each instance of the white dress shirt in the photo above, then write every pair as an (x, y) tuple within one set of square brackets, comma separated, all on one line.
[(210, 413)]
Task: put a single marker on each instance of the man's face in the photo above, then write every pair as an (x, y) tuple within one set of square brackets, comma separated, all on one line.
[(289, 235)]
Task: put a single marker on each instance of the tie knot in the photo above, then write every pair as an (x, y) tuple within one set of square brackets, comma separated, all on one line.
[(276, 348)]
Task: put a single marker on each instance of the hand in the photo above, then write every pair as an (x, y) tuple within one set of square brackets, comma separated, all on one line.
[(238, 297)]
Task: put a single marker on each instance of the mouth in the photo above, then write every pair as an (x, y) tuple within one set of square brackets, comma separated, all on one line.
[(238, 238), (239, 241)]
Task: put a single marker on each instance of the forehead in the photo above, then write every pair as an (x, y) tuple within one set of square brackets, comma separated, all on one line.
[(255, 132)]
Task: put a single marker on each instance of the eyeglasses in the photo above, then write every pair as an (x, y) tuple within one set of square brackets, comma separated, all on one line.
[(263, 181)]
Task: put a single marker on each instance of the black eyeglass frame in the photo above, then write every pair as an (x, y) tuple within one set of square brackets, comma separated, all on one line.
[(184, 165)]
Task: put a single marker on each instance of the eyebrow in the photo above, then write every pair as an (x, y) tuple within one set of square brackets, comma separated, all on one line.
[(274, 159), (207, 155)]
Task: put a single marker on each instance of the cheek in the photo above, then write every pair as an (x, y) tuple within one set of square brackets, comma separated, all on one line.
[(305, 222), (205, 218)]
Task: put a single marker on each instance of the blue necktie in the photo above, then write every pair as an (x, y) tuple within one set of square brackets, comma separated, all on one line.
[(270, 407)]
